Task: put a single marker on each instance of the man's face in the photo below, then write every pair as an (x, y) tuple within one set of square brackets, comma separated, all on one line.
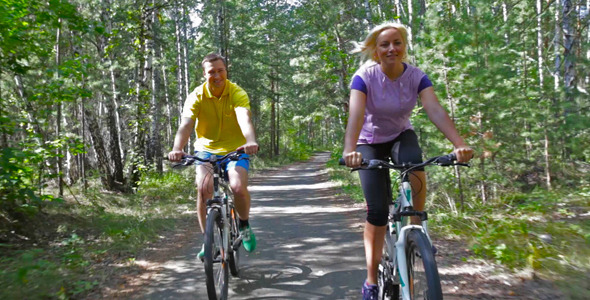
[(215, 73)]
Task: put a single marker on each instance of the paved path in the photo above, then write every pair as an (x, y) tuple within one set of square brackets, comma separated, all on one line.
[(309, 246)]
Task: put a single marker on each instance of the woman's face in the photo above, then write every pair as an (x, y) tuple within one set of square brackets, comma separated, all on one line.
[(390, 48)]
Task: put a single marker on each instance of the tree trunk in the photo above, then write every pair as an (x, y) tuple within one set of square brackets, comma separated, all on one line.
[(569, 73), (179, 61), (99, 149), (115, 128), (540, 43), (155, 148), (547, 162), (59, 113), (278, 108), (82, 156), (369, 15), (186, 58), (168, 139), (410, 25), (221, 38), (343, 72), (557, 48), (144, 69), (272, 113)]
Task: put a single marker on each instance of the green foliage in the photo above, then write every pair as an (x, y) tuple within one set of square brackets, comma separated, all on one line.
[(18, 192), (104, 226), (542, 231), (36, 273)]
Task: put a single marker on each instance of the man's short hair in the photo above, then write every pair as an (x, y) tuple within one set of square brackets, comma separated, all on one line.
[(213, 57)]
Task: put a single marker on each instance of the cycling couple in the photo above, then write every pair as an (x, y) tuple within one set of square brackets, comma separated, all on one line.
[(383, 94)]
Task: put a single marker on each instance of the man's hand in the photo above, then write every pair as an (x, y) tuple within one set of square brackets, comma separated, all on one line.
[(249, 148), (176, 155), (464, 154)]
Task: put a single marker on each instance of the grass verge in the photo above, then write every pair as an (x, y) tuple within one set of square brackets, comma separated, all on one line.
[(72, 248)]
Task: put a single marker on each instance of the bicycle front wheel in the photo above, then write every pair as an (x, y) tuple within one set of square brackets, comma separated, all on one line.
[(215, 264), (424, 281)]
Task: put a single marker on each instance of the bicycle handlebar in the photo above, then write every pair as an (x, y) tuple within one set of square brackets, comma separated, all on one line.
[(188, 160), (443, 160)]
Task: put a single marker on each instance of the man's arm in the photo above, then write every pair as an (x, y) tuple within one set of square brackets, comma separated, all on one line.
[(182, 135), (243, 114)]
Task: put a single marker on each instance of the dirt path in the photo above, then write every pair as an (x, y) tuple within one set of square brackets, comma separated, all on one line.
[(309, 247)]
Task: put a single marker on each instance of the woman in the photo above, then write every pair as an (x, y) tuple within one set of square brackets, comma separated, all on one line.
[(383, 94)]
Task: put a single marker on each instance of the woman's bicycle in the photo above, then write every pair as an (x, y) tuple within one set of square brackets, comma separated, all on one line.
[(408, 258), (222, 235)]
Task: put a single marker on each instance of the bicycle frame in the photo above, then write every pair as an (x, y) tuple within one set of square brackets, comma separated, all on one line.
[(221, 201)]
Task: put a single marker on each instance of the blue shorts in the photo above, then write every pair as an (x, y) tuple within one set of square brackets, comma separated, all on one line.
[(244, 163)]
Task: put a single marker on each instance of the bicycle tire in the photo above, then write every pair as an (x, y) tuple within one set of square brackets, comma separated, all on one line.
[(424, 281), (234, 254), (216, 269)]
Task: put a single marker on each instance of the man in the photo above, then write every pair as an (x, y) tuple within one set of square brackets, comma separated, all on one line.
[(220, 109)]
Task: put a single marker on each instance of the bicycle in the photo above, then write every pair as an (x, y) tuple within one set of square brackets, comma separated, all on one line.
[(222, 235), (408, 258)]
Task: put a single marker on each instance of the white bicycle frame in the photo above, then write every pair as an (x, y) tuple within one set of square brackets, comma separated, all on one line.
[(399, 262)]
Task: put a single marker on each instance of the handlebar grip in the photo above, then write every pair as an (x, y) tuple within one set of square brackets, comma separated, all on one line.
[(447, 160), (364, 162)]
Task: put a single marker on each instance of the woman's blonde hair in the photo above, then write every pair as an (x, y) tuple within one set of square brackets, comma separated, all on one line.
[(368, 46)]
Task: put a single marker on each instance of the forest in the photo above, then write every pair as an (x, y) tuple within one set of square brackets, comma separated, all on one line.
[(91, 92)]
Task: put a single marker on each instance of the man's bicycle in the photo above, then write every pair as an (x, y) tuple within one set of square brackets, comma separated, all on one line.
[(222, 235), (408, 258)]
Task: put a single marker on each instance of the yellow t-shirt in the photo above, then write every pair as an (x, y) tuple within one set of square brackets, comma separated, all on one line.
[(217, 126)]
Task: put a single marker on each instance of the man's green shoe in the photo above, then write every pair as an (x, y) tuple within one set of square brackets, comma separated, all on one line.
[(248, 238), (201, 254)]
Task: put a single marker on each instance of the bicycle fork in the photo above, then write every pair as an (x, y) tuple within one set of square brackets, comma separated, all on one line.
[(402, 266), (405, 201)]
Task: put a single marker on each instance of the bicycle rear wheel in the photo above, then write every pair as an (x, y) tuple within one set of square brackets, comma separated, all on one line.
[(424, 281), (215, 264), (234, 254)]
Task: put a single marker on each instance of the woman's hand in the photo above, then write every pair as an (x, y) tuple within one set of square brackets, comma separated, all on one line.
[(463, 153), (353, 159)]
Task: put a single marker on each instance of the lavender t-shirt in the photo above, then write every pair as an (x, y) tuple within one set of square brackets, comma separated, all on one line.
[(389, 102)]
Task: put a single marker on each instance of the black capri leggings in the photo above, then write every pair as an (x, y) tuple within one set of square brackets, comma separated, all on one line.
[(376, 184)]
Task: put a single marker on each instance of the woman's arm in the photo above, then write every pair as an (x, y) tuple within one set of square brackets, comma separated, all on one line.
[(356, 116), (439, 116)]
